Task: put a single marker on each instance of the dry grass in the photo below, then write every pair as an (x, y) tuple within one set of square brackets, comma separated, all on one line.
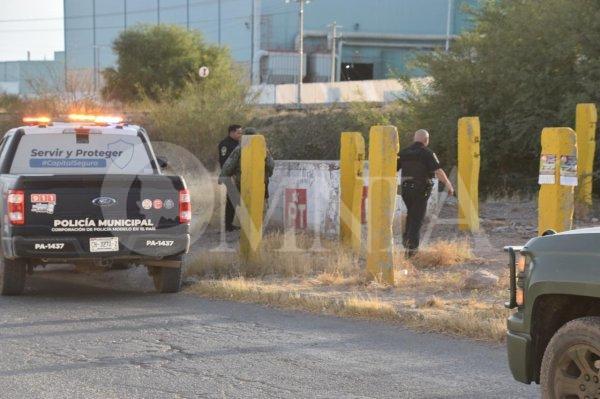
[(277, 258), (483, 321), (302, 256), (432, 302), (470, 318), (322, 277), (340, 280), (277, 296), (444, 254), (371, 308), (432, 282)]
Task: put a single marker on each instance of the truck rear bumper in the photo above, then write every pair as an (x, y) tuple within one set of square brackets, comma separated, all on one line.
[(149, 246), (518, 345)]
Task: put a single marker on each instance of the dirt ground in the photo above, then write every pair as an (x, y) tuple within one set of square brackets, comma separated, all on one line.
[(502, 222)]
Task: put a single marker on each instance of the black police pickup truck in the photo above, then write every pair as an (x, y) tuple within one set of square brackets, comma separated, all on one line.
[(89, 192)]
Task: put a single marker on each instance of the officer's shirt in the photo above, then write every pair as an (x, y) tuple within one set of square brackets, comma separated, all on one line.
[(226, 147), (418, 163)]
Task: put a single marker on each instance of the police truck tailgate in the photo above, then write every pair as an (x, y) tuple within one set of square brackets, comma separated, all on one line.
[(91, 215)]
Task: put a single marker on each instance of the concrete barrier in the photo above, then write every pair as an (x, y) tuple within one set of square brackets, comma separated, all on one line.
[(379, 91), (306, 194)]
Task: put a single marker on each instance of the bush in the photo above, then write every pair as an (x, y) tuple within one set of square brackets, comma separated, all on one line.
[(10, 103), (524, 67), (315, 133)]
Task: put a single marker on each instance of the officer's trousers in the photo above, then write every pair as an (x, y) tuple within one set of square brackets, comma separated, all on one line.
[(232, 200), (415, 197)]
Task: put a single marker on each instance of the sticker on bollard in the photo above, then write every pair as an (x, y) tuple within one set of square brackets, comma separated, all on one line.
[(547, 169), (568, 170)]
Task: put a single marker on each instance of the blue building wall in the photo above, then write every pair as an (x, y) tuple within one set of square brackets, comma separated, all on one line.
[(92, 25), (414, 17), (32, 77)]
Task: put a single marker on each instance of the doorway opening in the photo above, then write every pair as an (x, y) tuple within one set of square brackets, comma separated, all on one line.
[(356, 71)]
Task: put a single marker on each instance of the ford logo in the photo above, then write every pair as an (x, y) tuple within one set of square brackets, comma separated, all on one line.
[(104, 201)]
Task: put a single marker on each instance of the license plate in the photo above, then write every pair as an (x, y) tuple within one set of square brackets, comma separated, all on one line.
[(104, 244)]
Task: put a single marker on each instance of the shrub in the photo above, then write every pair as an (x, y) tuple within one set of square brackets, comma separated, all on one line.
[(198, 118), (315, 133)]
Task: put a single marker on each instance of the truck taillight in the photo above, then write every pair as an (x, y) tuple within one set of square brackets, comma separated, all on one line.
[(16, 206), (185, 207)]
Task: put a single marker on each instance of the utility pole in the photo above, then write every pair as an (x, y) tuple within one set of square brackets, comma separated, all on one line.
[(94, 47), (187, 14), (301, 53), (158, 12), (333, 27), (301, 4), (96, 66), (219, 16), (252, 38), (449, 24)]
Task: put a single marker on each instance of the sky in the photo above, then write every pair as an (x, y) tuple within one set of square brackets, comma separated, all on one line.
[(34, 25)]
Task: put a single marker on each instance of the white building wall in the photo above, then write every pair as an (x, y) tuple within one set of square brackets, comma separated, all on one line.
[(380, 91)]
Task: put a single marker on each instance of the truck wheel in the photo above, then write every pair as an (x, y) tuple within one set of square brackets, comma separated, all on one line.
[(12, 276), (167, 279), (571, 363)]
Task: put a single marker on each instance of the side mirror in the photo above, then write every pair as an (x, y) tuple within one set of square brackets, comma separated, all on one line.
[(162, 162)]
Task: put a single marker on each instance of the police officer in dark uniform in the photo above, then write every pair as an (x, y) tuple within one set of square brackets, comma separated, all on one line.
[(419, 166), (226, 147)]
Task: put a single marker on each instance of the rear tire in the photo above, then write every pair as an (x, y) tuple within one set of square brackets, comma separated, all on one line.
[(12, 276), (571, 363), (167, 279)]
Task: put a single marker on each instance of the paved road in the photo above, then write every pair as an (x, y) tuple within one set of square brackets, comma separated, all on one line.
[(73, 340)]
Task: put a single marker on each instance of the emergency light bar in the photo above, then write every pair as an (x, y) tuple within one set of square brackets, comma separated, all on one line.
[(109, 119), (36, 120), (97, 119), (81, 118)]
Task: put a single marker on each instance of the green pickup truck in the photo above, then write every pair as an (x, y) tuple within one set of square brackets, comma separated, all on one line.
[(554, 334)]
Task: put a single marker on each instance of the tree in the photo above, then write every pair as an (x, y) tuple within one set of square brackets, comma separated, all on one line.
[(525, 66), (155, 59)]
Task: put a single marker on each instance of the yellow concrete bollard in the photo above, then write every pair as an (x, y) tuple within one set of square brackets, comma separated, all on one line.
[(469, 135), (252, 195), (558, 176), (585, 126), (352, 156), (383, 184)]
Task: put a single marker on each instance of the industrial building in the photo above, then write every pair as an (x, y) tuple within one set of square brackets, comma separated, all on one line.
[(374, 39), (28, 77)]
